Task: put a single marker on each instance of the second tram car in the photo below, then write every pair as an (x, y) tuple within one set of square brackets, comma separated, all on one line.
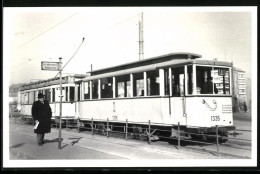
[(172, 89), (51, 89)]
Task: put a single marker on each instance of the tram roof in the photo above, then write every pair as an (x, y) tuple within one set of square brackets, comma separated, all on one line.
[(148, 61), (49, 82), (178, 59)]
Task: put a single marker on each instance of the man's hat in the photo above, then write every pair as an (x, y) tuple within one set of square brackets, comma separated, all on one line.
[(40, 95)]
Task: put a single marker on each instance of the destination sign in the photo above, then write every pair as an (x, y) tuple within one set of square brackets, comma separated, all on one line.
[(50, 66)]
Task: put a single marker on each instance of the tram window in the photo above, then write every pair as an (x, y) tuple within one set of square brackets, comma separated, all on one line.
[(167, 82), (79, 91), (66, 93), (57, 97), (94, 89), (213, 80), (107, 88), (189, 79), (27, 98), (177, 81), (72, 92), (86, 90), (222, 80), (36, 95), (153, 83), (138, 85), (123, 86), (31, 97), (53, 94), (47, 94)]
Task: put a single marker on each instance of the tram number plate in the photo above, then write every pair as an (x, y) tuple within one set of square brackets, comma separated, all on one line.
[(215, 118)]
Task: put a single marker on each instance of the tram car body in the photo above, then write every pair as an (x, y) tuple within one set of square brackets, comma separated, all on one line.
[(167, 90), (51, 89)]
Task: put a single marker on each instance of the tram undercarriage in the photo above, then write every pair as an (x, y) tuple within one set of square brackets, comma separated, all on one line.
[(156, 132)]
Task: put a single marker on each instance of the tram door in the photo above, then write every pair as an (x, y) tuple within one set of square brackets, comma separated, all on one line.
[(178, 96)]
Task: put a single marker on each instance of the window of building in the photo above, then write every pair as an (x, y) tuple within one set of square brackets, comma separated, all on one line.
[(138, 84), (107, 87), (153, 83), (123, 86)]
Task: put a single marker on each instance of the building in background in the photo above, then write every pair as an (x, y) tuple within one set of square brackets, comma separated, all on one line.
[(13, 96), (239, 90)]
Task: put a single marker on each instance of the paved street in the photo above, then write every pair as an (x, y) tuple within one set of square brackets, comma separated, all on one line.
[(83, 145)]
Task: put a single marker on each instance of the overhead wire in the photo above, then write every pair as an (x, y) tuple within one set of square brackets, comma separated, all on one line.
[(46, 31), (84, 38), (56, 26), (72, 56)]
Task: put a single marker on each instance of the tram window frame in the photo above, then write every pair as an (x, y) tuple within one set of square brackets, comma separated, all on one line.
[(125, 90), (107, 87), (153, 83), (202, 79), (138, 84)]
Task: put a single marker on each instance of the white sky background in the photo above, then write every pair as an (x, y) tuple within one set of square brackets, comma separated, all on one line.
[(32, 35)]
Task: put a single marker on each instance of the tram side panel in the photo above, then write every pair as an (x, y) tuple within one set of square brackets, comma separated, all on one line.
[(209, 111), (139, 110), (68, 109), (177, 111), (26, 109)]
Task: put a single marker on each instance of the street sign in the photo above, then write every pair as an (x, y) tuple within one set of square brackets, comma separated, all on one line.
[(50, 66)]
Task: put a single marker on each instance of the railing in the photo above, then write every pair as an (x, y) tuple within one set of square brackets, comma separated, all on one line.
[(148, 131)]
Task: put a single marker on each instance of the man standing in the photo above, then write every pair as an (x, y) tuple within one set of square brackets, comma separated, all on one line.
[(41, 113)]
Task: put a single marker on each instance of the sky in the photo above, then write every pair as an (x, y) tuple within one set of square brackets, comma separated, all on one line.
[(32, 35)]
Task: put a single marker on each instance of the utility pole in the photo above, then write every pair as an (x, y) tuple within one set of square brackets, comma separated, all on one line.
[(60, 121), (141, 41)]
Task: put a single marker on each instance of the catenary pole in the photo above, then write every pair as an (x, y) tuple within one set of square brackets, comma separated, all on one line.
[(60, 69)]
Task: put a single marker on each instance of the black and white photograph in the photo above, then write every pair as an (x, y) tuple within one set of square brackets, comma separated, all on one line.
[(129, 87)]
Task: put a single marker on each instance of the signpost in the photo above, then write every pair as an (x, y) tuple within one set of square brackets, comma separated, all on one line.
[(50, 66), (55, 66)]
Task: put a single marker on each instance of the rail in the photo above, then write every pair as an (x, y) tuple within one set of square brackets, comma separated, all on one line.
[(148, 131)]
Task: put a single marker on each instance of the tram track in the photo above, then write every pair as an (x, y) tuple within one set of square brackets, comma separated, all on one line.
[(231, 148)]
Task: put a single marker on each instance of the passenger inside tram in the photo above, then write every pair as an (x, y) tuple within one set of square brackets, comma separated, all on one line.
[(207, 87), (154, 90)]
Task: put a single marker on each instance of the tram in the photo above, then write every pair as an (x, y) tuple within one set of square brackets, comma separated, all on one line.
[(51, 89), (174, 89)]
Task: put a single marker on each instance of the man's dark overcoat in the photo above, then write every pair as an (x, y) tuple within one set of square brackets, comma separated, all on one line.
[(42, 113)]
